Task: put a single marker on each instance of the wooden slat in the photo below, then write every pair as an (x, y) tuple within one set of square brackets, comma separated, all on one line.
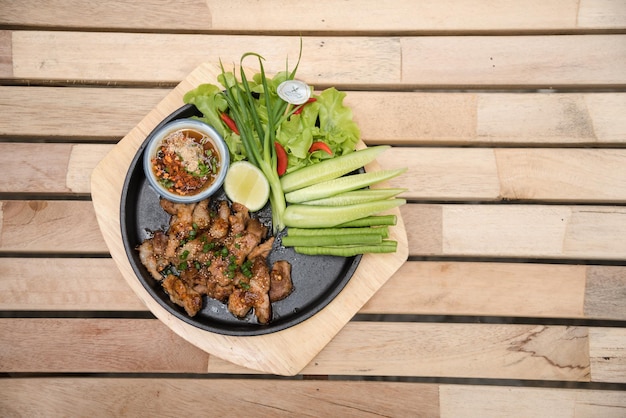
[(605, 292), (6, 55), (457, 288), (561, 175), (538, 231), (477, 401), (457, 350), (95, 345), (168, 397), (65, 284), (60, 112), (422, 288), (162, 396), (277, 15), (361, 348), (510, 174), (47, 167), (608, 354), (496, 61), (150, 56), (218, 397), (543, 231), (345, 61), (49, 226), (410, 117)]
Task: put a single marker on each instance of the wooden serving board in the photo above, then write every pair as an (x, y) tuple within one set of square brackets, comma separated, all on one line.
[(284, 352)]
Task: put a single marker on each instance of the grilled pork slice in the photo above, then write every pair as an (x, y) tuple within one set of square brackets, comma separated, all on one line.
[(253, 294), (281, 285), (182, 295), (152, 254)]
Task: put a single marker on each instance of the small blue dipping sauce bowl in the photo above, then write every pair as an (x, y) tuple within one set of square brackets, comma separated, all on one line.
[(183, 133)]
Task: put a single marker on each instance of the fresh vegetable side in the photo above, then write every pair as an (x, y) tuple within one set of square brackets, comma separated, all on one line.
[(306, 149), (320, 129)]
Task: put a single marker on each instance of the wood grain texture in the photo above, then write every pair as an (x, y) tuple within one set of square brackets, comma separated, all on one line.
[(181, 397), (65, 284), (494, 402), (411, 118), (496, 61), (605, 294), (608, 13), (146, 14), (418, 288), (461, 350), (410, 349), (91, 345), (49, 226), (545, 175), (73, 113), (163, 396), (558, 175), (520, 231), (149, 57), (366, 16), (6, 54), (342, 61), (35, 167), (542, 231), (608, 354), (466, 288)]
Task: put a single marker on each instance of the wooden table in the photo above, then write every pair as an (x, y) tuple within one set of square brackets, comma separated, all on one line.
[(511, 117)]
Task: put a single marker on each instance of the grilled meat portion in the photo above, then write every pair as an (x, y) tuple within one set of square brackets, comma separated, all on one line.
[(182, 295), (281, 285), (219, 251)]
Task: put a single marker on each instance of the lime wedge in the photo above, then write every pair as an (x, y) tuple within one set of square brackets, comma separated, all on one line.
[(246, 184)]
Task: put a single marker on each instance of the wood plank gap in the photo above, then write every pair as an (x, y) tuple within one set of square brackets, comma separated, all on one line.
[(78, 314), (476, 259), (46, 196), (487, 382), (321, 32), (471, 319)]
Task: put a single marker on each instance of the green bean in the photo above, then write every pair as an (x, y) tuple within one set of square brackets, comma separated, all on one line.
[(349, 250), (374, 220), (331, 240)]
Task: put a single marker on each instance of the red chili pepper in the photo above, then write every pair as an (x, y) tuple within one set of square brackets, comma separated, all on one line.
[(229, 122), (299, 109), (320, 146), (281, 158)]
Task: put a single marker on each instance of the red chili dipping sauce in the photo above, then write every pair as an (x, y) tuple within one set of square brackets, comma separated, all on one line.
[(186, 163)]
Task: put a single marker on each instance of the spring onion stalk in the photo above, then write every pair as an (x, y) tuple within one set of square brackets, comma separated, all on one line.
[(383, 231), (309, 216), (258, 137), (387, 246), (331, 240), (374, 220)]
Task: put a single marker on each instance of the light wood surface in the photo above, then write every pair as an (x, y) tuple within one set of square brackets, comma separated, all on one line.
[(517, 231), (492, 61), (417, 288), (408, 118), (509, 116), (364, 16), (487, 174), (531, 352), (257, 397)]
